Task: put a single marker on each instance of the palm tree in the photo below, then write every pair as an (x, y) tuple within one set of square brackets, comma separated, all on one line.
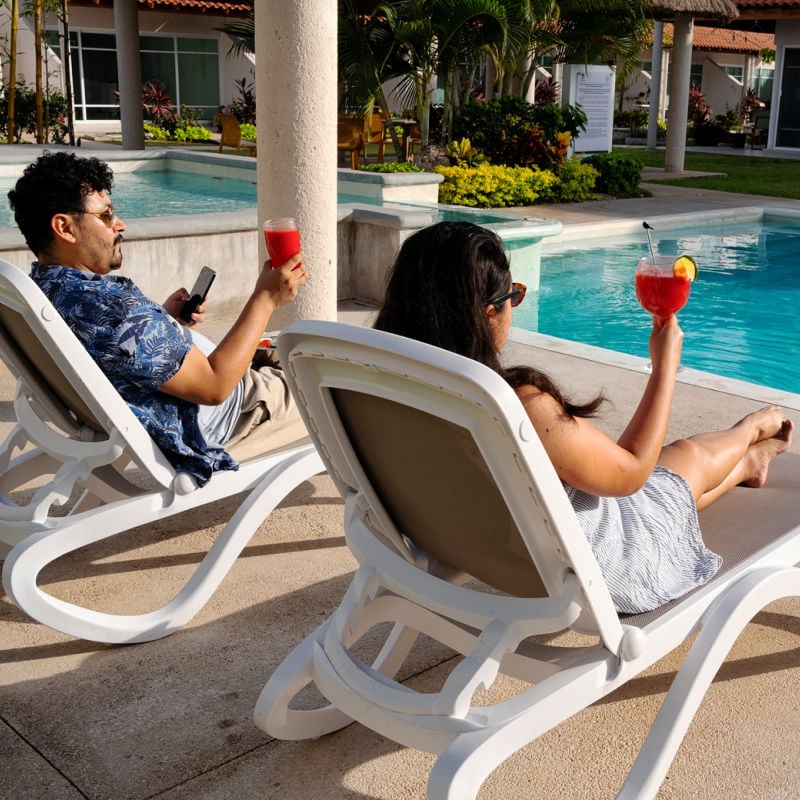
[(243, 32), (368, 57), (444, 39), (577, 31)]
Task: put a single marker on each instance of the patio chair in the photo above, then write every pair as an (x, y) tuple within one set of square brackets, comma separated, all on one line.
[(760, 130), (231, 135), (413, 138), (77, 444), (463, 532), (349, 136), (374, 132)]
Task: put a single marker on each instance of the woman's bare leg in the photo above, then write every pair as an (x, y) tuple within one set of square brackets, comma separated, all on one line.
[(713, 463)]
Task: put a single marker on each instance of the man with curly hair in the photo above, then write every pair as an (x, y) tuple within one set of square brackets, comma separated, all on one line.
[(193, 398)]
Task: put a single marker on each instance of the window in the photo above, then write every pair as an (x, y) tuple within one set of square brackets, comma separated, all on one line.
[(763, 78), (188, 67), (734, 72)]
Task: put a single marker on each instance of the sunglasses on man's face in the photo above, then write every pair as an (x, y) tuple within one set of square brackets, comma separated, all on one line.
[(516, 296), (108, 216)]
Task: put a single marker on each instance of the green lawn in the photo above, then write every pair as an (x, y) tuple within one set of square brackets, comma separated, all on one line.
[(772, 177)]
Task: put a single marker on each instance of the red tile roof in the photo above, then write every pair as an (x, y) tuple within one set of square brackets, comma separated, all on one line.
[(725, 40), (196, 5), (190, 6), (768, 9)]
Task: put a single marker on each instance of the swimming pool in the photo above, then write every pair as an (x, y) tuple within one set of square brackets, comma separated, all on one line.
[(145, 194), (741, 320)]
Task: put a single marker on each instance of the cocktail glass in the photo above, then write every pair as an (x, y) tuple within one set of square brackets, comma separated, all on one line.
[(282, 238), (661, 288)]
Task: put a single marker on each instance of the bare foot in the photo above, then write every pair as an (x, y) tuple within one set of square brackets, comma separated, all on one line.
[(760, 455), (765, 423)]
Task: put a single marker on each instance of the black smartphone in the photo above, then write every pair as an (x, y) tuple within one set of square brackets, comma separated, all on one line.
[(198, 294)]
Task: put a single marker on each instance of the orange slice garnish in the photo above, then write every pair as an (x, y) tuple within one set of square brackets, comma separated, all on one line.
[(685, 267)]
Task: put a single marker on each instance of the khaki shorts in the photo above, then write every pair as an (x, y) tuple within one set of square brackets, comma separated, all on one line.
[(267, 405)]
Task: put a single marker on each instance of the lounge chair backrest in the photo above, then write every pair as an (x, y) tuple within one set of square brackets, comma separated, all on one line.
[(430, 478), (440, 453), (62, 377)]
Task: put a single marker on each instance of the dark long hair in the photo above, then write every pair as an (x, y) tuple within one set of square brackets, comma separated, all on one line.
[(440, 284)]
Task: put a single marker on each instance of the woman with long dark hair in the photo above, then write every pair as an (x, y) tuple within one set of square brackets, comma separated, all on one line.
[(636, 498)]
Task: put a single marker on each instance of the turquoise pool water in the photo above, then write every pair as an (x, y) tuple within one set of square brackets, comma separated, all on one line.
[(156, 193), (741, 320)]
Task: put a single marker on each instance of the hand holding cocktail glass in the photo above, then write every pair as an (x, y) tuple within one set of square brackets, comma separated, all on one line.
[(663, 283)]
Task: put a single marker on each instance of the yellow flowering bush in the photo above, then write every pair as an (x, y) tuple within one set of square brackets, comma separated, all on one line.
[(497, 186)]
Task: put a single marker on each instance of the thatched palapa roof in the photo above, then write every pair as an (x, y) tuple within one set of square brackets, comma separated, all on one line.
[(718, 10)]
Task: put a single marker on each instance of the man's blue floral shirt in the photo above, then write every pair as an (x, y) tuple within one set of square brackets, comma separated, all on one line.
[(139, 347)]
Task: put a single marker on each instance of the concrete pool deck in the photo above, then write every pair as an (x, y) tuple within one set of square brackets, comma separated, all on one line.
[(172, 719)]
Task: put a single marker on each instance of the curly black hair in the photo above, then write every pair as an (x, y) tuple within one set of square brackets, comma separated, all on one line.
[(56, 183)]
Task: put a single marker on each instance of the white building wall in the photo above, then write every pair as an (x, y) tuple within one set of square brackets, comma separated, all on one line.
[(722, 91), (101, 20)]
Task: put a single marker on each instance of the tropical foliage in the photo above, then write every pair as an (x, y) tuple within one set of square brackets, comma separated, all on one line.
[(162, 123), (39, 116), (514, 132), (243, 107), (54, 109), (425, 42)]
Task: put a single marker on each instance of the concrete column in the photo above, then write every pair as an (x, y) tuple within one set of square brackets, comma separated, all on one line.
[(747, 75), (296, 118), (679, 92), (558, 77), (655, 85), (662, 98), (129, 73)]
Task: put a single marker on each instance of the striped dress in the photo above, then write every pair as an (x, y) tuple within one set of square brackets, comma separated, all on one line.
[(648, 544)]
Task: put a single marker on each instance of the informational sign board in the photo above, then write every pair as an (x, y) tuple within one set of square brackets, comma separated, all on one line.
[(592, 88)]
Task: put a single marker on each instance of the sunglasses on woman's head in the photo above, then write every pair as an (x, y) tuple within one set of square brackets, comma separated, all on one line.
[(516, 296)]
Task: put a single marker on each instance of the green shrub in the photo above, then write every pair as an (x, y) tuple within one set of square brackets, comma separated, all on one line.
[(192, 133), (514, 132), (618, 175), (155, 133), (392, 166), (631, 118), (493, 186), (55, 111), (576, 182), (248, 131)]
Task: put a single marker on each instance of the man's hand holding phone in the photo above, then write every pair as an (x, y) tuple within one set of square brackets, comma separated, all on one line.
[(197, 296)]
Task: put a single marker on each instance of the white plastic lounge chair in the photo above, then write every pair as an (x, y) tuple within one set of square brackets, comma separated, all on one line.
[(443, 478), (74, 438)]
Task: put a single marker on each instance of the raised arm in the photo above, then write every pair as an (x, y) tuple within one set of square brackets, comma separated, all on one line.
[(210, 380), (583, 456)]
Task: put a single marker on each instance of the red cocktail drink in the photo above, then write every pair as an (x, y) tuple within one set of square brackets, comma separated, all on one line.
[(282, 238), (658, 289)]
